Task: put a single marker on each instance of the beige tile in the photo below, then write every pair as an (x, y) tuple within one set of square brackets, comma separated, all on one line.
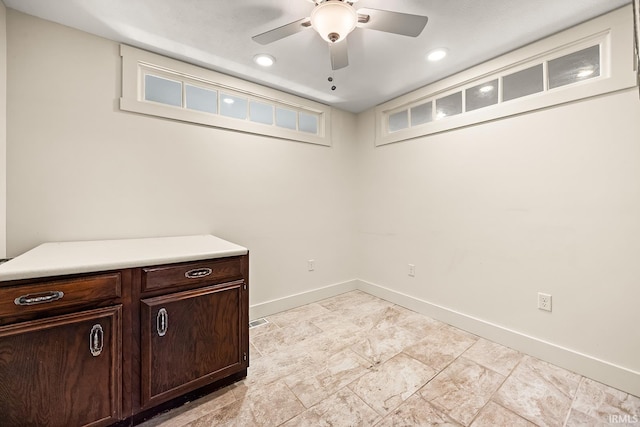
[(441, 346), (273, 404), (578, 419), (417, 323), (414, 412), (260, 404), (494, 356), (298, 315), (235, 414), (344, 408), (334, 323), (380, 345), (325, 344), (321, 381), (540, 392), (391, 317), (462, 389), (268, 369), (262, 329), (191, 411), (393, 382), (493, 415), (606, 404), (283, 338), (348, 300), (254, 353), (365, 315)]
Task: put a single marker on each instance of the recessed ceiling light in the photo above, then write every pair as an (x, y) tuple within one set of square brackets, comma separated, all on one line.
[(437, 54), (264, 60)]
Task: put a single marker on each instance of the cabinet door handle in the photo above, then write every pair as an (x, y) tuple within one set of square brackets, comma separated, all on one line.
[(39, 298), (96, 340), (162, 322), (196, 273)]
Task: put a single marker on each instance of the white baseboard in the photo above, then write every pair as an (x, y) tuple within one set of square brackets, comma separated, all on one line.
[(607, 373), (268, 308)]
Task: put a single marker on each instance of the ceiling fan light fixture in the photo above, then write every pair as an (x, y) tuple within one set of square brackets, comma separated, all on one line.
[(334, 20)]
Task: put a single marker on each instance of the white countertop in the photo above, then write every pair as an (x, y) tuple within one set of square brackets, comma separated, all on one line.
[(54, 259)]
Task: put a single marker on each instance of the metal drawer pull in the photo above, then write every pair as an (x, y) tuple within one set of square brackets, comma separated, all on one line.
[(39, 298), (162, 322), (96, 340), (197, 273)]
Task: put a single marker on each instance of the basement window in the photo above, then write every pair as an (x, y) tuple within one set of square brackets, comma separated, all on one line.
[(201, 99), (164, 91), (398, 121), (574, 67), (449, 105), (523, 83), (584, 61), (158, 86)]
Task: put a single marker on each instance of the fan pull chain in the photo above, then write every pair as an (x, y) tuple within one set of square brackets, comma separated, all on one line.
[(333, 87)]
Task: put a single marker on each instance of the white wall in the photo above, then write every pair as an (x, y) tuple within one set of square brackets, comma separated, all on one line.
[(3, 129), (80, 169), (491, 214)]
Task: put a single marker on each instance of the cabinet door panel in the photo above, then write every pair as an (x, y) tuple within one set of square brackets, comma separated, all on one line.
[(190, 339), (49, 376)]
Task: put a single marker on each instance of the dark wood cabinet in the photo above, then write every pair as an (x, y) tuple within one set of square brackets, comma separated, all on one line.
[(62, 371), (103, 348), (190, 339)]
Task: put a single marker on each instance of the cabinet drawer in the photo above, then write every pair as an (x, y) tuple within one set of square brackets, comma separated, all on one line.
[(41, 297), (192, 273)]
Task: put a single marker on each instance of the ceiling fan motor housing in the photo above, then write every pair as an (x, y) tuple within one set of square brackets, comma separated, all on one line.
[(334, 19)]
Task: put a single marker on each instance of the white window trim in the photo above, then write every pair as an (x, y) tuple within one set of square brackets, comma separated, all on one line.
[(612, 31), (137, 62)]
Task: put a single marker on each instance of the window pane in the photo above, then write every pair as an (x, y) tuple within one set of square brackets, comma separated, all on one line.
[(285, 118), (581, 65), (233, 106), (422, 113), (399, 120), (522, 83), (308, 122), (449, 105), (261, 113), (161, 90), (201, 99), (481, 95)]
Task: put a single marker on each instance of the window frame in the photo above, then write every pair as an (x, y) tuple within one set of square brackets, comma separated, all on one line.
[(611, 32), (136, 63)]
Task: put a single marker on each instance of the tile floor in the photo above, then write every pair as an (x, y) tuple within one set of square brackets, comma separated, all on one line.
[(357, 360)]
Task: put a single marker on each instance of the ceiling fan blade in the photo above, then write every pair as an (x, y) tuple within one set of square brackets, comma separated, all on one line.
[(282, 32), (392, 22), (339, 54)]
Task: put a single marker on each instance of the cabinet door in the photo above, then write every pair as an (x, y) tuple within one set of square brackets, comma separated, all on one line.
[(62, 371), (190, 339)]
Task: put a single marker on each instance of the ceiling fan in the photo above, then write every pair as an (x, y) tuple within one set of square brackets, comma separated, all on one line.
[(335, 19)]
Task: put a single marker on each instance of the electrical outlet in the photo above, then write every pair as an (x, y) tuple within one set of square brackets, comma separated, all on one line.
[(544, 301), (412, 270), (311, 264)]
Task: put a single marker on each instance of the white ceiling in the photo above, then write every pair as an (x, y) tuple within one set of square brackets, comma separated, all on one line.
[(217, 34)]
